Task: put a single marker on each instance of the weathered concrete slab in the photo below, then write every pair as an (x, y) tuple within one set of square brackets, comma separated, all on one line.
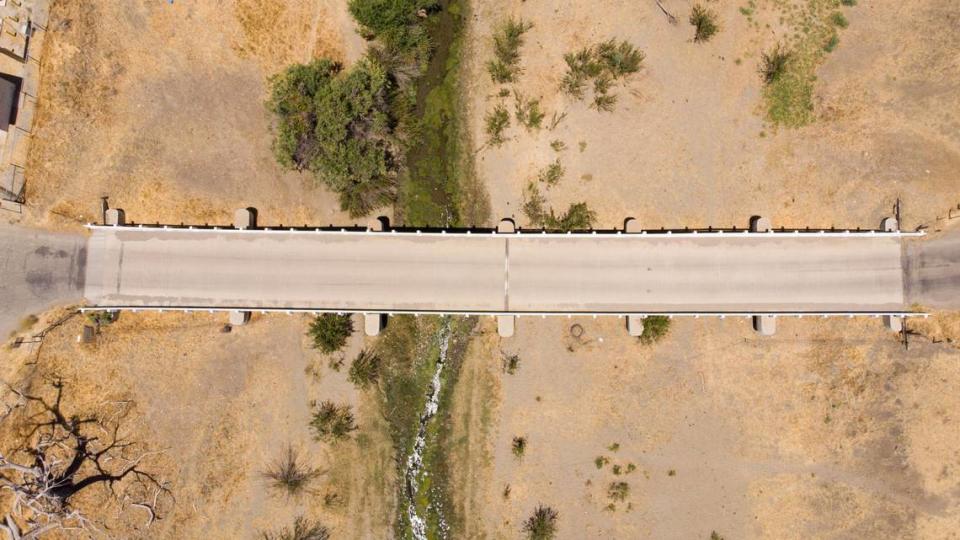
[(39, 270), (493, 273)]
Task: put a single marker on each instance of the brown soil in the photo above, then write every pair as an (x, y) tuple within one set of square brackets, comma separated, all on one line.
[(160, 107)]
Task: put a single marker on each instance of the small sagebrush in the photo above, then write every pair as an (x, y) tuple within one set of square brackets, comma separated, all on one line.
[(507, 40), (604, 63), (303, 529), (618, 491), (330, 331), (365, 369), (496, 122), (332, 422), (704, 21), (288, 475), (518, 446), (542, 525), (655, 327), (773, 64)]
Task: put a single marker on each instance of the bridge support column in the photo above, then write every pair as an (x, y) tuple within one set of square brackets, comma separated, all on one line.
[(635, 325), (505, 325), (893, 322), (245, 218), (239, 318), (759, 224), (632, 226), (765, 325), (373, 323), (506, 226), (115, 216)]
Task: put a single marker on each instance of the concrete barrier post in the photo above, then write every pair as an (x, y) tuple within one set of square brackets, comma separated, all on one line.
[(506, 226), (505, 325), (765, 325), (245, 218), (116, 216), (239, 318), (632, 226), (373, 323), (893, 322), (635, 325), (759, 224)]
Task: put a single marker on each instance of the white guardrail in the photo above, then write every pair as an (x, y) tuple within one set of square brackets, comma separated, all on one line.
[(543, 314), (520, 233)]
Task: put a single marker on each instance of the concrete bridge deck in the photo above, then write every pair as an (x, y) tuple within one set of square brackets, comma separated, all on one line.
[(732, 272)]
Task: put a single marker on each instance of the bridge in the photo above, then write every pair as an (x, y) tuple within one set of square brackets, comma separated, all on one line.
[(757, 272)]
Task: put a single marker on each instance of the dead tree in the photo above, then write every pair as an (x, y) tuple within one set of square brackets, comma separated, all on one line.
[(61, 455)]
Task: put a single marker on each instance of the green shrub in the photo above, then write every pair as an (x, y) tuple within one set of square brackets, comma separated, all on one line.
[(552, 173), (619, 59), (654, 328), (330, 331), (332, 422), (303, 529), (99, 318), (704, 21), (849, 3), (365, 369), (577, 217), (288, 476), (831, 43), (839, 20), (557, 145), (507, 40), (338, 125), (395, 22), (600, 461), (542, 525), (518, 446), (618, 491), (497, 121), (511, 364)]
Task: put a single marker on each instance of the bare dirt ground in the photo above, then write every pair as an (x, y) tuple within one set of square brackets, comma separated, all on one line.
[(687, 145), (220, 408), (160, 106), (829, 429)]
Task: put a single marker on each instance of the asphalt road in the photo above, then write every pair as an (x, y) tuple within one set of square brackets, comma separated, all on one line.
[(530, 273), (932, 271), (38, 270)]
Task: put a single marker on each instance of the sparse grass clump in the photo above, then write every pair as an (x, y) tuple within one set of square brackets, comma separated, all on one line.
[(831, 43), (704, 21), (618, 491), (577, 217), (527, 112), (849, 3), (557, 145), (289, 476), (330, 332), (518, 446), (552, 173), (507, 40), (604, 63), (365, 369), (303, 529), (332, 422), (542, 525), (839, 20), (654, 328), (601, 461), (496, 122), (98, 318)]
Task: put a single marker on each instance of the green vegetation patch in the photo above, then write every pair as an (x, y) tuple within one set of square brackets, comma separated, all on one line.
[(338, 124), (704, 21), (602, 64), (329, 332), (655, 327), (788, 70), (396, 23), (507, 40), (542, 524), (577, 217)]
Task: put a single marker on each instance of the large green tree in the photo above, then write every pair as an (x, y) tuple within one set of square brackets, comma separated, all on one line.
[(338, 125)]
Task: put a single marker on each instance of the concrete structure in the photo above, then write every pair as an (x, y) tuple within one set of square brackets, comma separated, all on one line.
[(635, 325), (115, 216), (691, 273), (932, 271), (373, 323), (245, 218), (23, 27), (632, 226), (506, 325), (239, 318), (759, 224), (765, 325)]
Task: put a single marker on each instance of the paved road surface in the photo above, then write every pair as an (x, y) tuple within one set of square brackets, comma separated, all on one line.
[(38, 270), (932, 271), (530, 273)]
